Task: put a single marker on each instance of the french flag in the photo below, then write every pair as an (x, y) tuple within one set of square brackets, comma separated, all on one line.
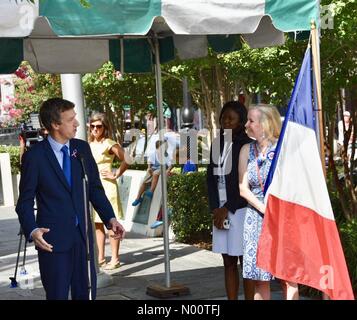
[(299, 240)]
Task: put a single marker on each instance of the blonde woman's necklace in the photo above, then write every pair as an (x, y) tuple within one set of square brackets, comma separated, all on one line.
[(262, 150)]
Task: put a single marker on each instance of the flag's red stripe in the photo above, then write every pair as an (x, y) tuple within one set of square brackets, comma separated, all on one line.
[(299, 245)]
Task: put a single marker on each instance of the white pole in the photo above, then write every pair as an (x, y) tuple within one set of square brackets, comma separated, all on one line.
[(160, 116), (72, 90)]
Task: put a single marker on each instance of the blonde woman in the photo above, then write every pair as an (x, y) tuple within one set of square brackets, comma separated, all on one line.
[(104, 151), (263, 125)]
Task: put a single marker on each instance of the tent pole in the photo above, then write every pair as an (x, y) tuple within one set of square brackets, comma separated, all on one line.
[(170, 289), (160, 116), (315, 46)]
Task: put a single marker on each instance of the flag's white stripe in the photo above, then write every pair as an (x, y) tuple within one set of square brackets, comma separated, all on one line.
[(208, 17), (298, 177)]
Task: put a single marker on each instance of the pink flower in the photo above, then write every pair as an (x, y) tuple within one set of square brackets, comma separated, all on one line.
[(15, 113), (7, 107), (20, 73), (118, 75), (12, 100)]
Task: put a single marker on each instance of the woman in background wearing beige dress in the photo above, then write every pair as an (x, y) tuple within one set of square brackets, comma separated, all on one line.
[(104, 151)]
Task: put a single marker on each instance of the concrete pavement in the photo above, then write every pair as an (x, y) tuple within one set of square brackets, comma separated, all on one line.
[(142, 265)]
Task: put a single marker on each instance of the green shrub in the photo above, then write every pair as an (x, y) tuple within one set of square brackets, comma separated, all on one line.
[(348, 232), (14, 157), (191, 219)]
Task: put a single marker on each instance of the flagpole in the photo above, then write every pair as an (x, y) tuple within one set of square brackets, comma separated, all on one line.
[(315, 46)]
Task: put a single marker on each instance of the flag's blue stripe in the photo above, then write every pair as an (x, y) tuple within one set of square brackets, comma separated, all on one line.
[(300, 109)]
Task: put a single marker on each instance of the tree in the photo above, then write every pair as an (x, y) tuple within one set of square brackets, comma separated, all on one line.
[(30, 90), (109, 92), (219, 78), (338, 66)]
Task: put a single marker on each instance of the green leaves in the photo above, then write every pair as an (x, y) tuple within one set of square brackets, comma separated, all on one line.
[(187, 199), (85, 3), (349, 240), (104, 88), (14, 153), (339, 51)]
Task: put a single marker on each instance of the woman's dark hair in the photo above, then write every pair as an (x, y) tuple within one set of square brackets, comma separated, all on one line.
[(238, 108)]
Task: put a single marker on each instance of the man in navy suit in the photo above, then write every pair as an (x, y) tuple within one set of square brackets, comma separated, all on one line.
[(51, 172)]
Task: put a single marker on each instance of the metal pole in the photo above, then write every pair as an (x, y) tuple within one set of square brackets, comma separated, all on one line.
[(13, 279), (186, 106), (86, 223), (186, 95), (160, 116)]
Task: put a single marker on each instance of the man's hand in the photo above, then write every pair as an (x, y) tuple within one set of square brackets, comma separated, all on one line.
[(39, 241), (117, 228), (219, 215)]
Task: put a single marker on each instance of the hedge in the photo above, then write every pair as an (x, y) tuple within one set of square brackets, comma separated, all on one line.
[(191, 219), (14, 157)]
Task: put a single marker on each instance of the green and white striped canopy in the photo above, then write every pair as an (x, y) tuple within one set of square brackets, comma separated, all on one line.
[(61, 36)]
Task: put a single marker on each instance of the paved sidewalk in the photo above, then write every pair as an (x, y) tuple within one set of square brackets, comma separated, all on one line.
[(142, 265)]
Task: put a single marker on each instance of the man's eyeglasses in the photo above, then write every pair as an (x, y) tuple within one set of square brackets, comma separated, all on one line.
[(98, 126)]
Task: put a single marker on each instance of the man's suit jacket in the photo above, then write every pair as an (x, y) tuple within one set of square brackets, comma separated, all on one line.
[(58, 204)]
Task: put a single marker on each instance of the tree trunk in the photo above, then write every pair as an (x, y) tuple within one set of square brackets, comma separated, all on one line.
[(349, 202), (220, 86), (210, 109), (332, 165)]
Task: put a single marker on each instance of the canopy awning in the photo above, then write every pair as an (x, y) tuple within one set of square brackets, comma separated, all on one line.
[(63, 37)]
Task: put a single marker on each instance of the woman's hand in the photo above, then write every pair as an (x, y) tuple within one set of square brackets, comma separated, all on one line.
[(262, 208), (106, 174), (219, 215)]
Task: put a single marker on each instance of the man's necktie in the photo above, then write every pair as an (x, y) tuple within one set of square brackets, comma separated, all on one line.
[(66, 165)]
